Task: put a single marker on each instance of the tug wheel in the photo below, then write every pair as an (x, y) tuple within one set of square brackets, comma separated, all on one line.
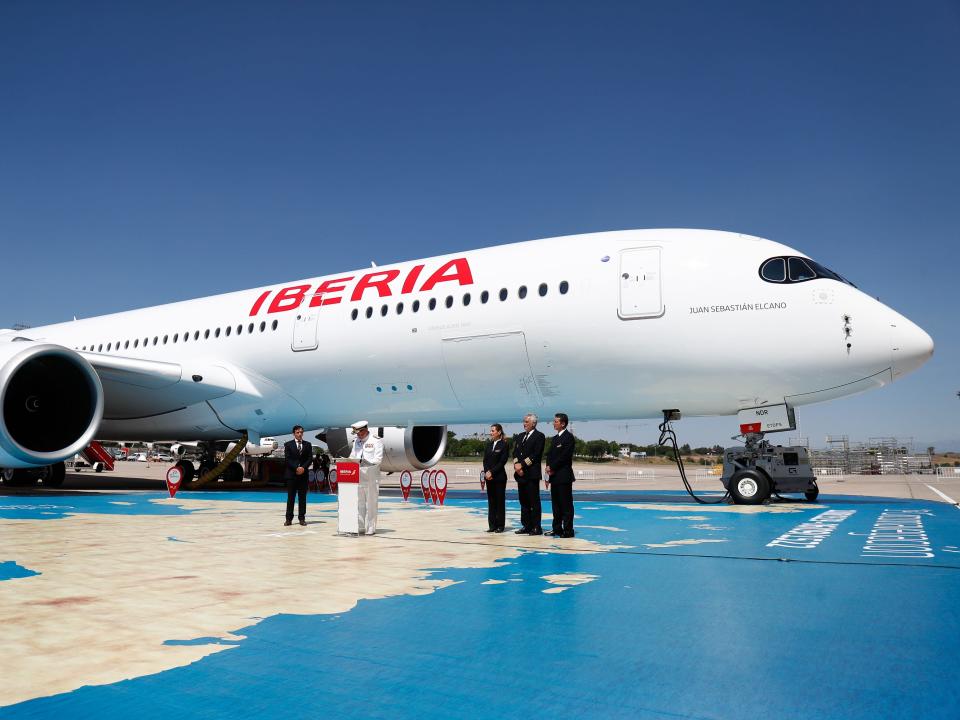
[(749, 487), (812, 493)]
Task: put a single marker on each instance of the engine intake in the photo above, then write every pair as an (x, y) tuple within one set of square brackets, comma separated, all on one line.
[(51, 404)]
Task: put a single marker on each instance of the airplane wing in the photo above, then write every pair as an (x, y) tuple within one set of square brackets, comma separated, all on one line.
[(134, 388)]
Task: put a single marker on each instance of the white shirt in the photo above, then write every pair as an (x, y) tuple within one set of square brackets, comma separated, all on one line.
[(370, 449)]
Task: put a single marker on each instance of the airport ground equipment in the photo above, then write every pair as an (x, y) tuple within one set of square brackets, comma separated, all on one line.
[(757, 469), (98, 457)]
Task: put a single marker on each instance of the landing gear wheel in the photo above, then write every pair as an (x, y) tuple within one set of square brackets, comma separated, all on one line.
[(749, 487), (186, 470), (233, 473), (53, 475), (811, 494), (17, 477)]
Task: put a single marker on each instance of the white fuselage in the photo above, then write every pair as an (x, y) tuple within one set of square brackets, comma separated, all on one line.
[(651, 319)]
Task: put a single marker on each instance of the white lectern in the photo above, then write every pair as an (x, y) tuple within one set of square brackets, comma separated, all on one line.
[(348, 496)]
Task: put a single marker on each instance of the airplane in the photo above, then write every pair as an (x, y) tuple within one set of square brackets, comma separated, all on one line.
[(611, 325)]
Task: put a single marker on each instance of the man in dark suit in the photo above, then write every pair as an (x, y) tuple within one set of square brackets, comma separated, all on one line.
[(297, 455), (560, 477), (527, 456), (494, 458)]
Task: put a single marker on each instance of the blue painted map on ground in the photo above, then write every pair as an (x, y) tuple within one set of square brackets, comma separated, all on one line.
[(850, 609)]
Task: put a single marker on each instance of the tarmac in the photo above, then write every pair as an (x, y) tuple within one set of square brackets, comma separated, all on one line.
[(119, 600)]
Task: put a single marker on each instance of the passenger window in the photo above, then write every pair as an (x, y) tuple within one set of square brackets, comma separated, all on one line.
[(799, 270), (564, 286), (399, 308), (383, 311), (522, 292), (136, 343), (484, 296), (466, 299), (228, 329), (274, 324), (774, 270), (216, 333), (109, 345), (250, 329), (432, 304), (263, 326), (416, 306), (542, 289), (239, 329), (176, 337), (503, 294), (369, 313), (196, 335), (353, 315), (449, 301), (206, 334)]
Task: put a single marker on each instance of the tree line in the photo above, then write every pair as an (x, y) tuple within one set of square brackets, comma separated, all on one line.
[(587, 449)]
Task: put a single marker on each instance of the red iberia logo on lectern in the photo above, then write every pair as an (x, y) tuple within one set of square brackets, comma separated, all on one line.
[(348, 472)]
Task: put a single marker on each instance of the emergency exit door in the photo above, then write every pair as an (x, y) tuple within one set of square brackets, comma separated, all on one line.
[(641, 293)]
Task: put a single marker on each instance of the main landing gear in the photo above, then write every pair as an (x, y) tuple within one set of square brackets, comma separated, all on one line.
[(209, 470), (48, 475)]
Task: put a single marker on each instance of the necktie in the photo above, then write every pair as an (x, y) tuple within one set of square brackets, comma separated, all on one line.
[(299, 447)]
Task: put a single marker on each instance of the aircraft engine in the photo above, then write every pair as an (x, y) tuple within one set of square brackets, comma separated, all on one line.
[(51, 404), (404, 448)]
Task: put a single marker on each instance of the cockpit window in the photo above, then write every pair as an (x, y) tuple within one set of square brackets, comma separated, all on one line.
[(827, 272), (795, 270), (799, 270), (774, 270)]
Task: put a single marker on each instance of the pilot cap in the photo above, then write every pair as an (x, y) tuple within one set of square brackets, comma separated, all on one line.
[(359, 425)]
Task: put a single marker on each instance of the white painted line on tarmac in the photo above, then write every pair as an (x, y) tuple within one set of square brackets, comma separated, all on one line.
[(946, 497)]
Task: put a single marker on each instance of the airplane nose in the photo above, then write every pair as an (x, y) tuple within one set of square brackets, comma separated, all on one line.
[(912, 346)]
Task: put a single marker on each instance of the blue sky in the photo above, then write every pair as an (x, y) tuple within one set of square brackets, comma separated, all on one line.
[(152, 152)]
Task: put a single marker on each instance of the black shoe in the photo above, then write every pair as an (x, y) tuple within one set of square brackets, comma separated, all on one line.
[(303, 522), (491, 530), (552, 533), (538, 531), (498, 530), (289, 522), (568, 534), (521, 531)]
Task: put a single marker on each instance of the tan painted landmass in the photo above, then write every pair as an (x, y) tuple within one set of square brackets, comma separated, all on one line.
[(676, 543), (565, 581), (113, 588), (601, 527)]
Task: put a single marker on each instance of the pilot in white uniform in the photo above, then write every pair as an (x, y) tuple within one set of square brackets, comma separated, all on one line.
[(368, 449)]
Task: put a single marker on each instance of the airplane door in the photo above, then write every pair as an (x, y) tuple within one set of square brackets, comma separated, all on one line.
[(640, 289), (491, 372), (305, 330)]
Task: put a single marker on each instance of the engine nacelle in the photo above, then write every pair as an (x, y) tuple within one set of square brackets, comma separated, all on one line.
[(51, 404), (404, 448)]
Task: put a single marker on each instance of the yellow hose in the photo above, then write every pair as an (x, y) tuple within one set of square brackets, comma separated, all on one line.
[(223, 464)]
